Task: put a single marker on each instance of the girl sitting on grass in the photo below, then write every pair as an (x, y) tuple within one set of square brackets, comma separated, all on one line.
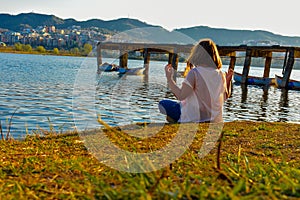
[(204, 89)]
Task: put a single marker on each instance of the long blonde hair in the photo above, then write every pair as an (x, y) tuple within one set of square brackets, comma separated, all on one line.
[(188, 67), (205, 53)]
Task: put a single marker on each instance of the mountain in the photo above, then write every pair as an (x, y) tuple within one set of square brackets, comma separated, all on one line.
[(236, 37), (29, 20), (150, 33), (32, 20)]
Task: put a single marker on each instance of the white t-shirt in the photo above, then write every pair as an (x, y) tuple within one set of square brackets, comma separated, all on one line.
[(205, 104)]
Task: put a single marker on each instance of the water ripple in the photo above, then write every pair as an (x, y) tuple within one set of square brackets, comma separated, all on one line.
[(41, 89)]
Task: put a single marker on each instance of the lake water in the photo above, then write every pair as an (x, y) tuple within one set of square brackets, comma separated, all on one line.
[(61, 93)]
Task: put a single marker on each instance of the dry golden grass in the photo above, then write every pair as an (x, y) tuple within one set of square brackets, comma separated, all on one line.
[(259, 160)]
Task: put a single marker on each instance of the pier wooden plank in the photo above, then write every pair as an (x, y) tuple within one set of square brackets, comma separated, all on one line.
[(227, 52), (257, 51), (260, 53)]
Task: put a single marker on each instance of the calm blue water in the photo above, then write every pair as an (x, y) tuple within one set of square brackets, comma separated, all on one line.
[(61, 93)]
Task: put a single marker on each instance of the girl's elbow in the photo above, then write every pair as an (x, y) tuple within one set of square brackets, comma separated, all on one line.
[(180, 98)]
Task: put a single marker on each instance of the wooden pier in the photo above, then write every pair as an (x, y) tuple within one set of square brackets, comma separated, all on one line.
[(231, 52)]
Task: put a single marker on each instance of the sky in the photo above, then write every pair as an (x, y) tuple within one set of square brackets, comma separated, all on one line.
[(279, 17)]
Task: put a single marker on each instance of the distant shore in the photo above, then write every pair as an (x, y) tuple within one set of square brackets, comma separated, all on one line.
[(35, 52)]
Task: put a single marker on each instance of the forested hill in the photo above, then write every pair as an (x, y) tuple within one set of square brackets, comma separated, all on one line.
[(33, 20), (236, 37), (221, 36)]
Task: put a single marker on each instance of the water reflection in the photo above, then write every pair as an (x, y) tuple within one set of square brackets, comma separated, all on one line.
[(259, 103), (244, 89), (284, 100), (129, 99), (244, 93), (283, 106), (264, 102)]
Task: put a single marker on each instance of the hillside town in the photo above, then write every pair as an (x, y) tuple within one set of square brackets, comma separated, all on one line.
[(50, 37)]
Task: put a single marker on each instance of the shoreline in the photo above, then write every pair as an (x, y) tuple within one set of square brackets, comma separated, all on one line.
[(43, 132)]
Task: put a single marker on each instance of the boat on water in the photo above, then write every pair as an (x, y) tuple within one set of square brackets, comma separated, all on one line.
[(253, 80), (107, 67), (293, 84), (132, 71)]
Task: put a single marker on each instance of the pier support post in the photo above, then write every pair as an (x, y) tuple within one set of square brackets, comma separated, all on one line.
[(99, 57), (146, 61), (146, 57), (268, 65), (123, 59), (247, 64), (288, 69), (170, 58), (232, 62), (175, 60)]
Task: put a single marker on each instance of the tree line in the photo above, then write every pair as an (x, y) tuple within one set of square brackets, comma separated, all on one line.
[(27, 48)]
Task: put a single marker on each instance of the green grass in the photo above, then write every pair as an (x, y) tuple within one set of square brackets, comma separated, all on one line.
[(259, 160)]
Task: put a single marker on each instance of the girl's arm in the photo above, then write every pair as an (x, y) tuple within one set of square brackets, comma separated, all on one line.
[(180, 93), (228, 78)]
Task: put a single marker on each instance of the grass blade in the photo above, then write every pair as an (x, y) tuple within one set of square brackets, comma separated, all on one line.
[(10, 123)]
